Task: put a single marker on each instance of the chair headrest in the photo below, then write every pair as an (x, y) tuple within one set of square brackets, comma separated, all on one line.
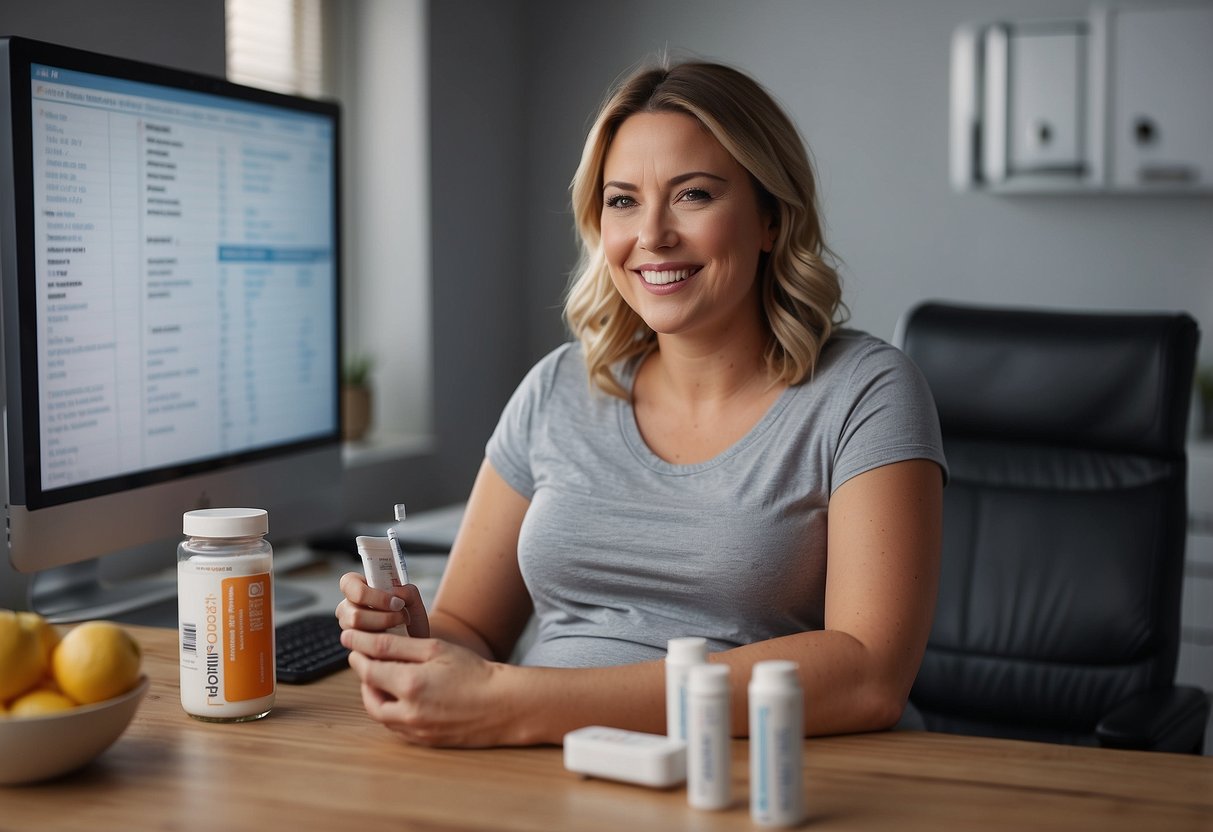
[(1116, 381)]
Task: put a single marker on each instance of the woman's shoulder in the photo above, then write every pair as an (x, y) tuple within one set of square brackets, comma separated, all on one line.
[(561, 356), (850, 349), (862, 370), (557, 369)]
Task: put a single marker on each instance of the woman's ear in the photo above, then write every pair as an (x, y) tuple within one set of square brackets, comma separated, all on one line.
[(770, 233)]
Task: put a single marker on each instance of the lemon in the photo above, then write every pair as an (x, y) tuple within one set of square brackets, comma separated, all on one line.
[(96, 660), (22, 660), (46, 634), (48, 682), (40, 702)]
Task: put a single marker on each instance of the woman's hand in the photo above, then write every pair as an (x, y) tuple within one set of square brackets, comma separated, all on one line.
[(432, 692), (375, 610)]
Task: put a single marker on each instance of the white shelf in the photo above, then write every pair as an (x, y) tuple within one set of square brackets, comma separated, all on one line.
[(384, 447)]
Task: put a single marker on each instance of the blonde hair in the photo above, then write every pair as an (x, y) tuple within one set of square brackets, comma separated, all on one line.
[(801, 293)]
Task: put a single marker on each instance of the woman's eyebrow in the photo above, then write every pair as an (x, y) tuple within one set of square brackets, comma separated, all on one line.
[(677, 180)]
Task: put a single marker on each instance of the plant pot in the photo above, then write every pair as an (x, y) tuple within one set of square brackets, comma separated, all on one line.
[(355, 412)]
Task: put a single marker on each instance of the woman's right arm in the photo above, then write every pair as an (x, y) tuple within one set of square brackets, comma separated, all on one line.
[(482, 602)]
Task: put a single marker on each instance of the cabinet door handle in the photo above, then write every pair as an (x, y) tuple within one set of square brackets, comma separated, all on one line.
[(1168, 174)]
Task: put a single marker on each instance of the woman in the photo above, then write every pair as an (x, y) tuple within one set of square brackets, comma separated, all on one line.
[(736, 467)]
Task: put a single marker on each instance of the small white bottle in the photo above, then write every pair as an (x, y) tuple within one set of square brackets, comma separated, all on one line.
[(776, 744), (225, 613), (681, 653), (709, 749)]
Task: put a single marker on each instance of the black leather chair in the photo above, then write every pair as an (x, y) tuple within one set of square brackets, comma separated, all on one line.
[(1064, 525)]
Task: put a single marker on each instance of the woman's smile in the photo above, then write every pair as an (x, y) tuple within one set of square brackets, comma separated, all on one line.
[(665, 277)]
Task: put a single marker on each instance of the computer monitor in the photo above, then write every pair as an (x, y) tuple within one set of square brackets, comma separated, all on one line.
[(170, 259)]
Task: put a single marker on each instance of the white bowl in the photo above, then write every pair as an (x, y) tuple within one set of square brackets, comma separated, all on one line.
[(40, 747)]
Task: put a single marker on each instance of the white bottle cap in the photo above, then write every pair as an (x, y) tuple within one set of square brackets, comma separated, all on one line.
[(225, 522), (373, 545), (708, 678), (398, 510), (691, 650), (777, 673)]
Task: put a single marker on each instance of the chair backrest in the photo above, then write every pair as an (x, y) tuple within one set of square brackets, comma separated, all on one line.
[(1064, 515)]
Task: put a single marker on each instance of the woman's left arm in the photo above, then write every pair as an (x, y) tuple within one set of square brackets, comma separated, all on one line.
[(882, 574)]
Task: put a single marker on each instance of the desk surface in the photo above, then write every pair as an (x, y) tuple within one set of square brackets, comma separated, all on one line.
[(319, 763)]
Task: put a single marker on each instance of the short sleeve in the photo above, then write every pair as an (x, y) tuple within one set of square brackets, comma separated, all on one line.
[(509, 448), (890, 416)]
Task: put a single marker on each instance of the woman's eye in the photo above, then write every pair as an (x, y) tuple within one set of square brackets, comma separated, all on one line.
[(620, 201), (694, 195)]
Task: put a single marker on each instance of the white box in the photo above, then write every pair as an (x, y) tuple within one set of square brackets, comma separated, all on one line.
[(630, 756)]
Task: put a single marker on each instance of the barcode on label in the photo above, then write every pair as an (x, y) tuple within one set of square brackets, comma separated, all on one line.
[(189, 638)]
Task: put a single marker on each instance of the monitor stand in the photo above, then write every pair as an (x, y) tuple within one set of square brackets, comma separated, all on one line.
[(76, 592)]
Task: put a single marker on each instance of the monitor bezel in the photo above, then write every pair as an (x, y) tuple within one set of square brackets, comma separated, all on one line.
[(17, 242)]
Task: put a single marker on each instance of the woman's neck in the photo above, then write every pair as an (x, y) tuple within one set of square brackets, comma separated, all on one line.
[(691, 403), (700, 371)]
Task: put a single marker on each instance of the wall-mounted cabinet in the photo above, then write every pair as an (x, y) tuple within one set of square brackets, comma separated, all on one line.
[(1161, 110), (1118, 101)]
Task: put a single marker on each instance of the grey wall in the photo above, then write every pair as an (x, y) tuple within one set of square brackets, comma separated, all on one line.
[(184, 35), (479, 192)]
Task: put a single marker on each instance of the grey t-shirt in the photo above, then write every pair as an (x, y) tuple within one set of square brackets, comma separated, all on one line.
[(622, 551)]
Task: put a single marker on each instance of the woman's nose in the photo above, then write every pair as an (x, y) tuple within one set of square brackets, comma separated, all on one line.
[(656, 229)]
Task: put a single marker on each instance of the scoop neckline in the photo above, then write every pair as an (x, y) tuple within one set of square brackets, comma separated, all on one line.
[(646, 456)]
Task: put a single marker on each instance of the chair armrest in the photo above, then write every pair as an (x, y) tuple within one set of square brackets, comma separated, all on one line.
[(1167, 719)]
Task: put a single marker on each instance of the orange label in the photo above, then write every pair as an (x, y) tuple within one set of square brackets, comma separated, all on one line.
[(248, 646)]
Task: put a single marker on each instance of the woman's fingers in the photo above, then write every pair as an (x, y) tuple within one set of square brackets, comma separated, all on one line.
[(417, 618), (428, 691), (356, 590), (353, 617), (390, 647), (367, 608)]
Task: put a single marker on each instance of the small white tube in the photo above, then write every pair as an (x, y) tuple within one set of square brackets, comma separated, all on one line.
[(377, 562), (776, 744), (402, 569), (709, 749), (380, 569), (681, 653)]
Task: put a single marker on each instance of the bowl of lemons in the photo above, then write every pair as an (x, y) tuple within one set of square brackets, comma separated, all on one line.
[(65, 697)]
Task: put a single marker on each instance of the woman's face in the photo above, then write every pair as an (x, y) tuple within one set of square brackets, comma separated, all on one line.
[(681, 226)]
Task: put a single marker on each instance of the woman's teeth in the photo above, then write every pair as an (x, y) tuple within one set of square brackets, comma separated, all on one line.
[(663, 277)]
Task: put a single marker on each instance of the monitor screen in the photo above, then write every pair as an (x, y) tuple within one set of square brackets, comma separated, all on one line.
[(170, 258)]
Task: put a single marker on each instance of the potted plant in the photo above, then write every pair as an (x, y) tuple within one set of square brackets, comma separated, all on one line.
[(356, 399)]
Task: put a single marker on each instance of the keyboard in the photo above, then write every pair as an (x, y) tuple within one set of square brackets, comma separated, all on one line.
[(309, 648)]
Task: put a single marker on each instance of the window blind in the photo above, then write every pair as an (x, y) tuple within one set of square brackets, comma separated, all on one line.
[(276, 45)]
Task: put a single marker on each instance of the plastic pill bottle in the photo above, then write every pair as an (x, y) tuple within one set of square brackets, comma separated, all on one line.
[(709, 749), (776, 744), (681, 653), (225, 614)]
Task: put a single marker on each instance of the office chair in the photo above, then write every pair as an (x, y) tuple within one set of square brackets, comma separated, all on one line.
[(1065, 520)]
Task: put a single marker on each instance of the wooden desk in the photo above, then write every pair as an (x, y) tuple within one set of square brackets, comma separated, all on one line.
[(318, 762)]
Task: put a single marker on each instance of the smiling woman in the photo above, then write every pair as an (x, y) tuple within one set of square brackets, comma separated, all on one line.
[(738, 468)]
